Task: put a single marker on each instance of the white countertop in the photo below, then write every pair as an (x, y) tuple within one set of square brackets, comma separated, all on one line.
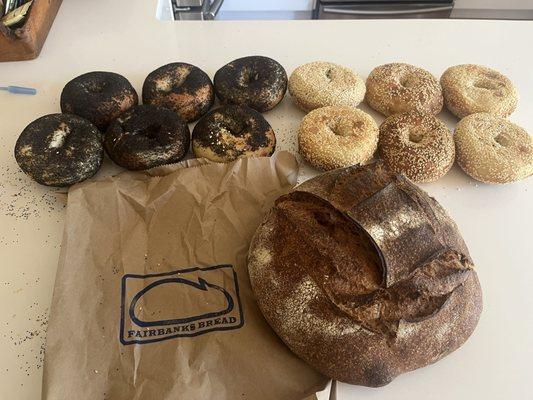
[(124, 36)]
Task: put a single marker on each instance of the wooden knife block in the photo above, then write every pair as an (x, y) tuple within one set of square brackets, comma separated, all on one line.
[(25, 43)]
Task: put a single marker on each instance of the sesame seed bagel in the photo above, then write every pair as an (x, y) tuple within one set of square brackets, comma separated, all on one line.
[(416, 144), (493, 150), (336, 137), (397, 88), (230, 132), (319, 84), (470, 89)]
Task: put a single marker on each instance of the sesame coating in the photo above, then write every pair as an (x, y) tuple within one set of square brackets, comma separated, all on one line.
[(470, 89), (336, 137), (398, 87), (318, 84), (493, 150), (416, 144)]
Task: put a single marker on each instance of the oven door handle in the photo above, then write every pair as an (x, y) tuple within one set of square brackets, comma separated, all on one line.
[(210, 9), (334, 10)]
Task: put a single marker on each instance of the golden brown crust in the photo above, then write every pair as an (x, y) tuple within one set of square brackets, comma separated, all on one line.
[(416, 144), (364, 276), (335, 137), (320, 83), (398, 87), (470, 89), (493, 150)]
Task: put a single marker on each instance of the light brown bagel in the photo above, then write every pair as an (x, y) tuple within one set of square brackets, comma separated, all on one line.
[(398, 87), (470, 89), (416, 144), (493, 150), (336, 137), (320, 83)]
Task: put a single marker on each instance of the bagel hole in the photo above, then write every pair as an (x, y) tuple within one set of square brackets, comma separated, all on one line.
[(151, 131), (341, 127), (406, 81), (502, 139), (96, 87), (59, 136), (248, 76), (417, 134), (487, 84)]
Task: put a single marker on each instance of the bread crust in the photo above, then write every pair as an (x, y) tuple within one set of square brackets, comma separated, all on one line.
[(357, 318)]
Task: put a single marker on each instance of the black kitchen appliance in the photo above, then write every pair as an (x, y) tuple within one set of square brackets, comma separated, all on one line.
[(359, 9)]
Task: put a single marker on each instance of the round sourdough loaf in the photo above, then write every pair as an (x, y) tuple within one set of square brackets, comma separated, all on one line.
[(364, 276)]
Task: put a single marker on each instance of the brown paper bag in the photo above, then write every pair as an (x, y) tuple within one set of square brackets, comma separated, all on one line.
[(152, 298)]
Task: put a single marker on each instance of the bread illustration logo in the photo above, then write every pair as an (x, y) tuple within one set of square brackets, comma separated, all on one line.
[(183, 303)]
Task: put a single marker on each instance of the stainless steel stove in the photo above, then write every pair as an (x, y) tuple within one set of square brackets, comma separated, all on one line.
[(353, 9), (196, 9)]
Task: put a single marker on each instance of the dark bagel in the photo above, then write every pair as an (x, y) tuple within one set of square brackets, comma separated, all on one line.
[(181, 87), (232, 132), (99, 97), (257, 82), (59, 150), (147, 136)]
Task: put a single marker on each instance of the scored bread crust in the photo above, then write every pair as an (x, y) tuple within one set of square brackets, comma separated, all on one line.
[(364, 276)]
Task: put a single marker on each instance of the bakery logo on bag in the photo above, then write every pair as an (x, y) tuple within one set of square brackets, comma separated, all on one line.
[(187, 302)]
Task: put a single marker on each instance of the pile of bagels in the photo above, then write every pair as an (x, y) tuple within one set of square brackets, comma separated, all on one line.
[(101, 114), (412, 140)]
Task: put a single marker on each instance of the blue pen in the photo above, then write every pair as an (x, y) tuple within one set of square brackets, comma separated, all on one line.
[(19, 89)]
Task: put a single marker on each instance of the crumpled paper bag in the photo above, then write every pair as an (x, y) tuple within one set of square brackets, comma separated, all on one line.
[(152, 298)]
